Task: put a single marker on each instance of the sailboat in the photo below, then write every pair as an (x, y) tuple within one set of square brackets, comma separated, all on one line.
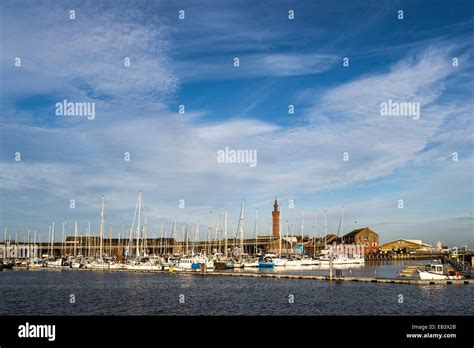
[(311, 261), (52, 262), (250, 262), (141, 262), (99, 264), (295, 262), (239, 252)]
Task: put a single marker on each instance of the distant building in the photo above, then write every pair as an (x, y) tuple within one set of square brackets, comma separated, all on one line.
[(364, 236), (406, 246)]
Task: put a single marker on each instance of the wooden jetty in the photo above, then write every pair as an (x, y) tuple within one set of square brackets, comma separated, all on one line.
[(338, 279)]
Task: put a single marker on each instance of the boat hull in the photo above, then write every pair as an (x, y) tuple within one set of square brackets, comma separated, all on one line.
[(250, 264), (266, 265), (424, 275)]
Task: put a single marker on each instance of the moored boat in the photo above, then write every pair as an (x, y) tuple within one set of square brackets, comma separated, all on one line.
[(437, 270), (266, 262), (250, 263)]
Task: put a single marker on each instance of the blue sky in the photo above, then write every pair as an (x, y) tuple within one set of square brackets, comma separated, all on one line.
[(282, 62)]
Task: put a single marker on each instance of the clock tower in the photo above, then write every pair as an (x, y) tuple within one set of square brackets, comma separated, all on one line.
[(276, 219)]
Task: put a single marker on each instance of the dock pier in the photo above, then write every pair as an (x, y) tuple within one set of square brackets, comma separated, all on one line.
[(468, 281)]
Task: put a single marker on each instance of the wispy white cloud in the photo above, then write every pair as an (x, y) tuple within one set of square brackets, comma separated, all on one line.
[(255, 65)]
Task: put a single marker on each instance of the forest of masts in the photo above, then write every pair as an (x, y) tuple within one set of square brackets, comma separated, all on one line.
[(186, 240)]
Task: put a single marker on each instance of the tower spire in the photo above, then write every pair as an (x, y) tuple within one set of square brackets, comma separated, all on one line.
[(276, 219)]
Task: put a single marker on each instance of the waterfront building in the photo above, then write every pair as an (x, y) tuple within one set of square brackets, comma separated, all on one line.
[(406, 246), (364, 236)]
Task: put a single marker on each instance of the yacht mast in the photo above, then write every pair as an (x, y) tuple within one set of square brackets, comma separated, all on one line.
[(162, 251), (325, 227), (35, 246), (241, 229), (63, 240), (342, 224), (145, 234), (110, 241), (4, 244), (101, 236), (52, 240), (302, 232), (315, 231), (137, 234), (186, 238), (89, 240), (256, 231), (175, 236), (225, 233), (198, 237), (75, 238), (209, 231), (292, 220)]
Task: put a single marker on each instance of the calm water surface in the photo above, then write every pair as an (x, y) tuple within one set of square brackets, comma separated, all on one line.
[(46, 292)]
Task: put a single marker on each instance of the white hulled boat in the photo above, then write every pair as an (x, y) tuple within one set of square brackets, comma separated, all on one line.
[(436, 270), (250, 263), (306, 261)]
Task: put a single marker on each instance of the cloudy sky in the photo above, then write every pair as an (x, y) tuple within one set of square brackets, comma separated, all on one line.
[(283, 62)]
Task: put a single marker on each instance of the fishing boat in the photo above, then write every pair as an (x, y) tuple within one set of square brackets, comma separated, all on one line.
[(437, 270)]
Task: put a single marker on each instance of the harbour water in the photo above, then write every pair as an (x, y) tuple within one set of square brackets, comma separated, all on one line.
[(48, 292)]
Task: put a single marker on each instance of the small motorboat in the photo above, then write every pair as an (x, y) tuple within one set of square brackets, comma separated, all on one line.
[(52, 263), (436, 270), (266, 262)]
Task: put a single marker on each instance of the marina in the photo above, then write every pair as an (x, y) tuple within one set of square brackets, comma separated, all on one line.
[(48, 292), (323, 257)]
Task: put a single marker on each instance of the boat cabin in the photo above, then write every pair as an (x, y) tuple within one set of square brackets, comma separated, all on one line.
[(435, 267)]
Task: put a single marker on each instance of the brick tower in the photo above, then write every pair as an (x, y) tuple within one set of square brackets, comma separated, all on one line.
[(276, 219)]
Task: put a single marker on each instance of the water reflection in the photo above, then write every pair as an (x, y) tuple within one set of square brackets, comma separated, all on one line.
[(371, 269)]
